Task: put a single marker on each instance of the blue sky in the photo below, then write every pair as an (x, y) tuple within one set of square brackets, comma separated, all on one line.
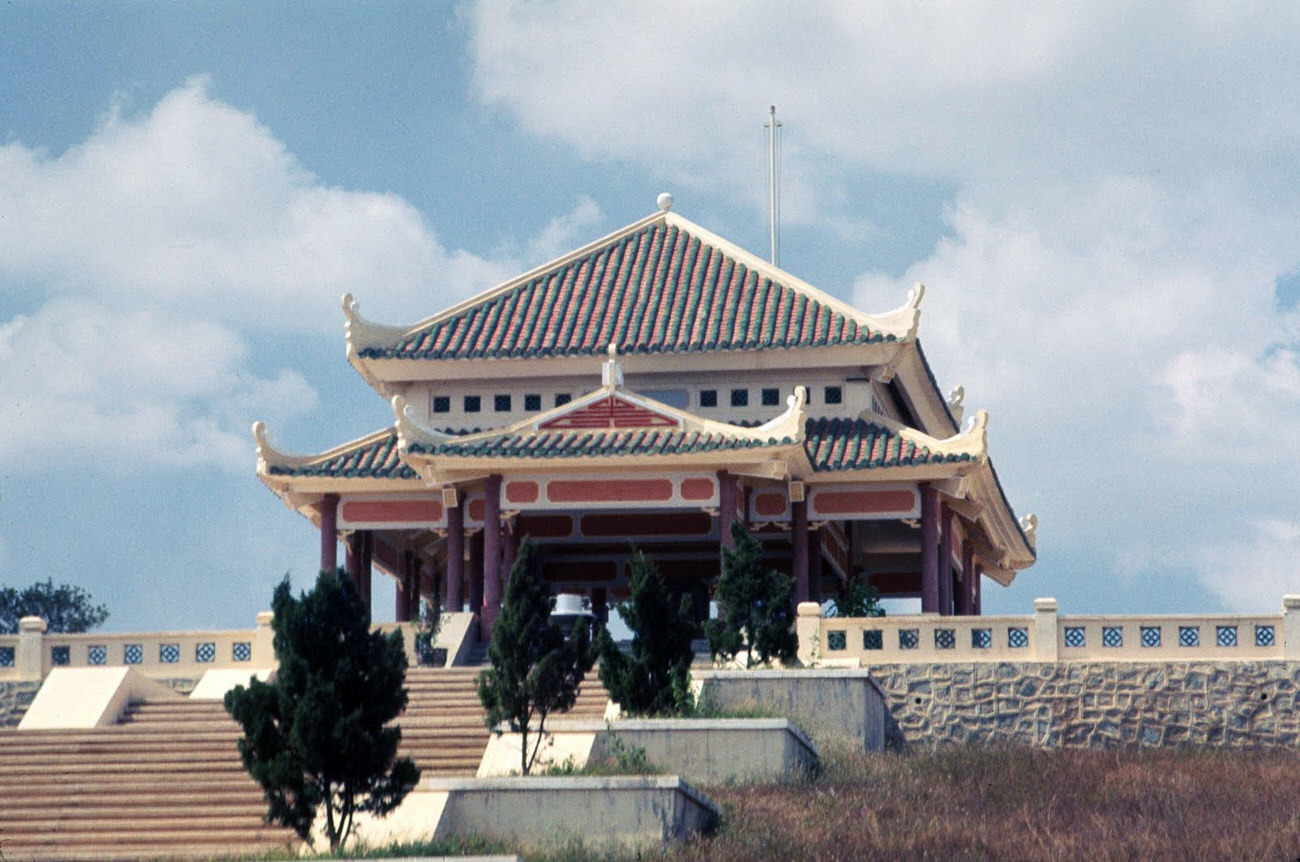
[(1102, 200)]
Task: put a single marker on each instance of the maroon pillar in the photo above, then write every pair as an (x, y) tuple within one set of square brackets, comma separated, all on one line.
[(929, 550), (815, 566), (509, 548), (352, 558), (945, 560), (799, 551), (329, 532), (491, 555), (367, 565), (402, 595), (455, 555), (476, 572), (966, 584), (726, 508), (979, 585)]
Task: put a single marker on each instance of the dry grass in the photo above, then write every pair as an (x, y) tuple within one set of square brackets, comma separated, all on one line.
[(1008, 803)]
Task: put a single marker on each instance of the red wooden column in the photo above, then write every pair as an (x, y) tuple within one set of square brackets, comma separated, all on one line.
[(367, 565), (726, 508), (352, 558), (945, 560), (799, 551), (476, 572), (966, 593), (979, 584), (509, 548), (455, 555), (329, 532), (929, 550), (815, 566), (402, 595), (491, 555)]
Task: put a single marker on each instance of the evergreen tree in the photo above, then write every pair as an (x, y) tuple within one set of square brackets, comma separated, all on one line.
[(654, 677), (756, 607), (65, 608), (857, 598), (317, 735), (536, 666)]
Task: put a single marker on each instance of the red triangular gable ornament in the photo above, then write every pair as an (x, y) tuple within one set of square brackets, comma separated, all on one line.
[(609, 412)]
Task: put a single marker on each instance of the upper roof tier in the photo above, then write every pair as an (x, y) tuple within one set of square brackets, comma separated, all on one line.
[(660, 286)]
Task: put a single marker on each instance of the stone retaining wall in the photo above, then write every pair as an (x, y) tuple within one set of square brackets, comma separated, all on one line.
[(1095, 704), (15, 697)]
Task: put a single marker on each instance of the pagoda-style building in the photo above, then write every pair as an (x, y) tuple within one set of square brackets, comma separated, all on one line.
[(646, 390)]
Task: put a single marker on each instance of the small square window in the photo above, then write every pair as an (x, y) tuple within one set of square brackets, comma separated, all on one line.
[(242, 651), (1189, 636), (1264, 636), (834, 395), (473, 404), (1017, 637), (873, 639), (708, 398), (837, 641), (1150, 636), (441, 404), (1225, 636), (562, 398), (1075, 636), (945, 638), (908, 638), (740, 398), (771, 397), (1112, 636), (981, 638), (501, 403), (60, 655), (532, 402)]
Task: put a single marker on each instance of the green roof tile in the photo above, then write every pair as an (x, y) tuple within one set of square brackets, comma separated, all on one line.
[(855, 444), (374, 460), (658, 290)]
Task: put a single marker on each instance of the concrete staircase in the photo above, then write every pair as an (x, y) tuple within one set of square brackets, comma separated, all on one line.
[(167, 782)]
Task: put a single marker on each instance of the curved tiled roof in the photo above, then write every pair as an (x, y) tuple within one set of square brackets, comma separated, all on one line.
[(373, 459), (594, 444), (855, 444), (656, 290)]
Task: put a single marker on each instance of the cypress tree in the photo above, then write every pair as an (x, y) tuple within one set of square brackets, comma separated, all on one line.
[(536, 666), (317, 735), (756, 606), (653, 677)]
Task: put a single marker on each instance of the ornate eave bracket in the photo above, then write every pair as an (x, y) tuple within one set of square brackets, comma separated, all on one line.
[(362, 334)]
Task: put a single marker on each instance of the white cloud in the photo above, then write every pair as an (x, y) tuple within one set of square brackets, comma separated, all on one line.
[(1253, 574), (566, 232), (196, 206), (990, 94), (1229, 406), (91, 386)]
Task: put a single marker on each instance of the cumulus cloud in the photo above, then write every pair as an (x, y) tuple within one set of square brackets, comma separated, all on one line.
[(1254, 573), (194, 205), (92, 386), (992, 95)]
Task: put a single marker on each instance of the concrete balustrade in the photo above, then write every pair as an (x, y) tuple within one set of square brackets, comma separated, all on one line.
[(30, 655), (1047, 636)]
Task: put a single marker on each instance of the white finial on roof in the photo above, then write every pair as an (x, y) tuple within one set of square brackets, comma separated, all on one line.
[(611, 375), (665, 201), (955, 405)]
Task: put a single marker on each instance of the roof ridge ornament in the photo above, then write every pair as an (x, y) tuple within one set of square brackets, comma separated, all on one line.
[(611, 373), (1029, 526), (409, 429), (955, 406)]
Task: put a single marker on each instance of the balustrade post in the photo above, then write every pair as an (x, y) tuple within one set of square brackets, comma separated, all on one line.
[(30, 656), (264, 642), (1045, 629), (807, 626), (1291, 628)]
